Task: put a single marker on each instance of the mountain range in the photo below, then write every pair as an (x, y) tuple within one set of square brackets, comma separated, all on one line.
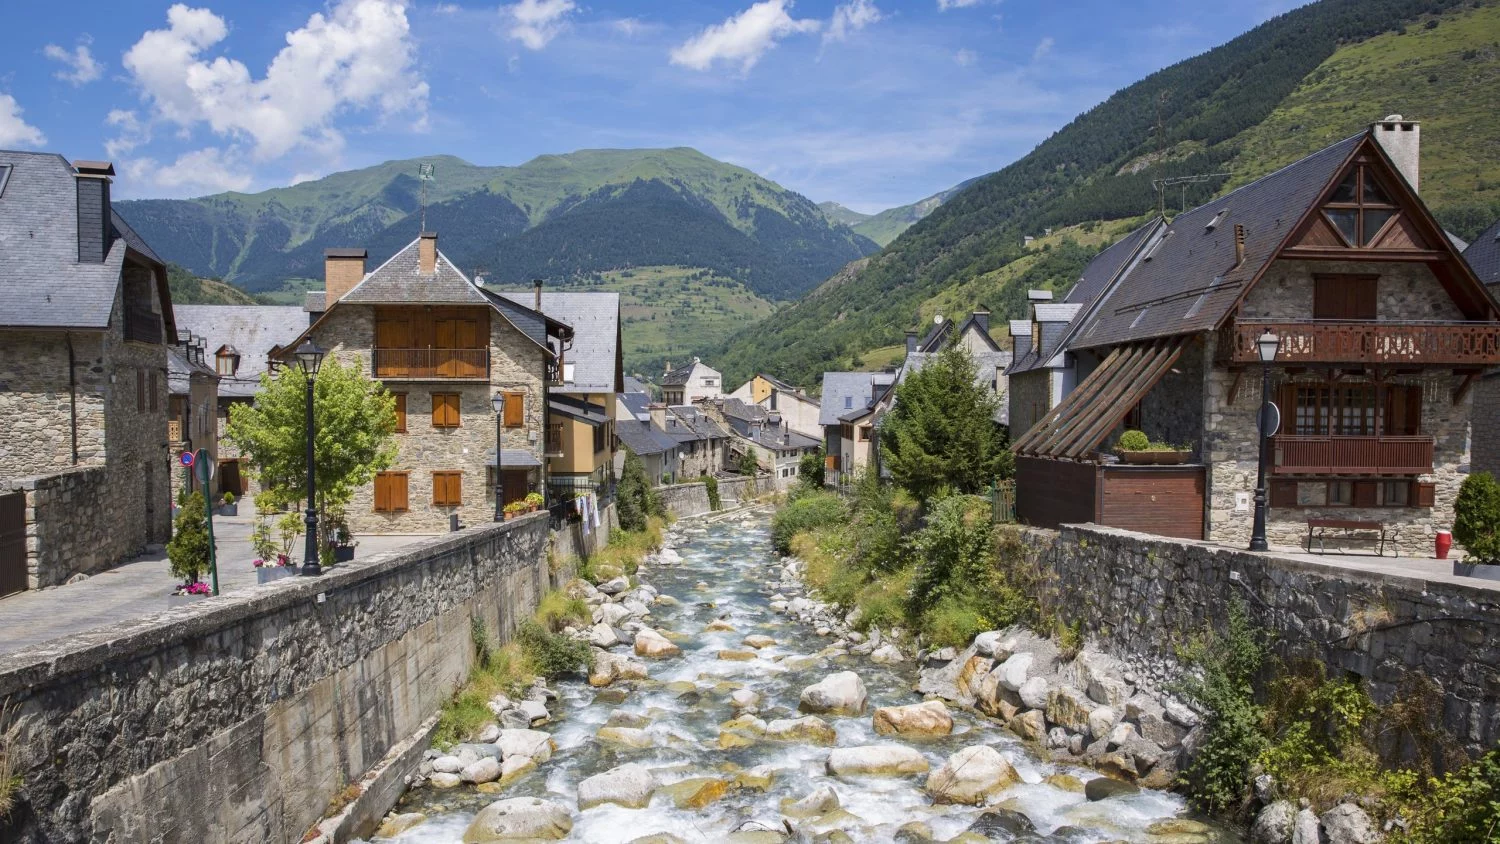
[(885, 226), (1270, 96)]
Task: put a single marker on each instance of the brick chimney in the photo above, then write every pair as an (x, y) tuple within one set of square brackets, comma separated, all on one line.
[(1402, 141), (342, 269), (427, 253), (93, 178)]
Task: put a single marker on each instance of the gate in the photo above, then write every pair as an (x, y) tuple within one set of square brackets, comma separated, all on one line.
[(12, 543)]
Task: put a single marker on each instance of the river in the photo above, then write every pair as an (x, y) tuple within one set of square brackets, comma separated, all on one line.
[(723, 574)]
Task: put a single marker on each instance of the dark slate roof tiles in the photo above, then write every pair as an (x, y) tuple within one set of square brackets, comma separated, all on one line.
[(1484, 255)]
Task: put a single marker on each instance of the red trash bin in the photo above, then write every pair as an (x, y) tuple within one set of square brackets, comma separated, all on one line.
[(1444, 543)]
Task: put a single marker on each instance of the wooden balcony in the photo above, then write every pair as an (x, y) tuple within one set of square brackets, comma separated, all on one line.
[(142, 326), (433, 364), (1322, 455), (1368, 342)]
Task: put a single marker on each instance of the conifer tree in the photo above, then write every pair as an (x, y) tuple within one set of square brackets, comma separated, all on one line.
[(941, 434)]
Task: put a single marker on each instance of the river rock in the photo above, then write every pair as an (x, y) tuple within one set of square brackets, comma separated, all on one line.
[(609, 668), (887, 654), (758, 641), (697, 792), (621, 718), (809, 728), (519, 818), (838, 694), (629, 785), (443, 780), (1065, 782), (914, 832), (1103, 788), (1180, 713), (719, 625), (823, 800), (736, 656), (741, 732), (394, 825), (1034, 692), (533, 743), (536, 711), (626, 737), (744, 700), (1069, 708), (615, 585), (1014, 671), (635, 609), (1347, 823), (581, 589), (1274, 823), (1101, 722), (1002, 825), (1030, 725), (918, 720), (601, 635), (653, 645), (984, 644), (488, 733), (974, 670), (759, 777), (1151, 722), (515, 767), (1305, 828), (972, 775), (485, 770), (611, 614), (448, 764), (875, 759), (514, 719)]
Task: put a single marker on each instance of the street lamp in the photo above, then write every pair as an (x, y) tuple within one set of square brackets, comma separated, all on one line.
[(498, 402), (1270, 419), (309, 358)]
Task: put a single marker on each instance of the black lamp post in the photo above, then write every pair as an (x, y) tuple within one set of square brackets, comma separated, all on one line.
[(310, 357), (1266, 346), (498, 402)]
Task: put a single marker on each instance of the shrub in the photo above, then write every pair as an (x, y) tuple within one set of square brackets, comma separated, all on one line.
[(633, 496), (806, 513), (552, 655), (953, 551), (882, 602), (1476, 517), (1133, 441), (1222, 685), (711, 483), (557, 609), (748, 465), (810, 469), (188, 549), (1463, 806), (827, 550)]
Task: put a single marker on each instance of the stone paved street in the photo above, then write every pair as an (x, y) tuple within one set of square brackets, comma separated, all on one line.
[(139, 588)]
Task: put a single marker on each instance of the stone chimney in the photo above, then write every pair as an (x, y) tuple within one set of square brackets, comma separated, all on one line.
[(982, 316), (911, 342), (538, 285), (658, 413), (1020, 337), (342, 269), (427, 253), (1402, 141), (93, 178)]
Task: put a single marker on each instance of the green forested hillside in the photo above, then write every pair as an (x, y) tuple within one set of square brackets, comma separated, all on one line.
[(1191, 118), (555, 217), (188, 289)]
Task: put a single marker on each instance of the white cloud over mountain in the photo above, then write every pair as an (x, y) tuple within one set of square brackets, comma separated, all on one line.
[(743, 38), (79, 65)]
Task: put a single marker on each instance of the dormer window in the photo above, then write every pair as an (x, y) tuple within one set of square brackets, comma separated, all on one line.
[(1359, 208), (226, 361)]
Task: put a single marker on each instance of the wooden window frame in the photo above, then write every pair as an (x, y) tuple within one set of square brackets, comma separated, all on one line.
[(1361, 173), (515, 408), (406, 492), (1364, 282), (443, 492), (1362, 492), (440, 419), (1350, 409), (400, 412)]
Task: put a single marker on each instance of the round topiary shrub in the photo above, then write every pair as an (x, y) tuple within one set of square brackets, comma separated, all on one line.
[(1476, 517), (1134, 441)]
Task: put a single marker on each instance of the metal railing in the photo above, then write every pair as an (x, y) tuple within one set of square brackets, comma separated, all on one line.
[(1373, 341), (457, 364), (1338, 455)]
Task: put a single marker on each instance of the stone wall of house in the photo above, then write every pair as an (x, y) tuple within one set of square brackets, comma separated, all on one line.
[(137, 456), (255, 709), (1029, 394), (1142, 597), (1173, 411), (1404, 291), (1486, 425), (515, 364), (70, 524), (35, 403)]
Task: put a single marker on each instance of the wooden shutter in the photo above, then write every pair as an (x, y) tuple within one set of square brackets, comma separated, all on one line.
[(1283, 493), (1422, 494), (1344, 296), (515, 409), (392, 347), (400, 412), (466, 335), (447, 489), (445, 410), (390, 492), (1366, 493), (382, 492)]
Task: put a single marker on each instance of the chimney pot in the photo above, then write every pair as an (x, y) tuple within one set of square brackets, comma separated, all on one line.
[(427, 253), (982, 317), (1039, 295), (537, 283), (342, 270), (1402, 141), (1239, 244)]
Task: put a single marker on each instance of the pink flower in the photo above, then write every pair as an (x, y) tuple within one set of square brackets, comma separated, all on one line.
[(258, 562)]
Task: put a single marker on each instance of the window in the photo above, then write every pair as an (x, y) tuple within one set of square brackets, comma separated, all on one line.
[(400, 412), (600, 438), (4, 177), (515, 409), (155, 392), (390, 492), (1351, 410), (1395, 493), (445, 410), (1359, 208), (447, 489), (1344, 296), (848, 402), (140, 391)]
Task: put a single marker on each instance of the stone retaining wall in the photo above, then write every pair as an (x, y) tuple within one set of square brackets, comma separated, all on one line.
[(240, 718), (571, 542), (73, 524), (692, 499), (1143, 596)]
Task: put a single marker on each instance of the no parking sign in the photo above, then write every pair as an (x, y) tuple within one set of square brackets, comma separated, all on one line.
[(185, 458)]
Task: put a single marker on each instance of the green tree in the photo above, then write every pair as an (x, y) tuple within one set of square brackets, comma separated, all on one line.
[(1476, 517), (941, 435), (188, 549), (355, 419), (633, 495), (810, 469), (748, 464)]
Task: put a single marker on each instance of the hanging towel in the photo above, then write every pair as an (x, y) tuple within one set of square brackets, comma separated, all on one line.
[(594, 507)]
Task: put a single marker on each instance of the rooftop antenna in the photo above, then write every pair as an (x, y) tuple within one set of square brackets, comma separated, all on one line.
[(1161, 185), (424, 173)]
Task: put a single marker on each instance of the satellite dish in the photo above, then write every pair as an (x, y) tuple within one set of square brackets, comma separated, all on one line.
[(937, 319)]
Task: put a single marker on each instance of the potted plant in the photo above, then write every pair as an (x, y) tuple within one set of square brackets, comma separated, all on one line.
[(340, 540), (188, 551), (534, 500), (273, 569), (1136, 448), (516, 508), (230, 507)]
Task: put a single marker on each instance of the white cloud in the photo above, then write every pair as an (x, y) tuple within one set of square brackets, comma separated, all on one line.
[(132, 133), (945, 5), (743, 38), (204, 171), (15, 132), (628, 27), (1043, 47), (536, 22), (851, 17), (359, 55), (445, 9), (80, 66), (965, 57)]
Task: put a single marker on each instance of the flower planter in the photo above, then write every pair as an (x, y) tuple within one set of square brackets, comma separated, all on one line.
[(266, 574), (1479, 570), (343, 553), (229, 509), (1154, 458), (183, 600)]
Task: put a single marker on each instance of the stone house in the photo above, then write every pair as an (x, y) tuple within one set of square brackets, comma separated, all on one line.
[(240, 339), (702, 444), (847, 416), (765, 433), (1483, 256), (86, 316), (444, 347), (1382, 328), (687, 384), (192, 410), (798, 409)]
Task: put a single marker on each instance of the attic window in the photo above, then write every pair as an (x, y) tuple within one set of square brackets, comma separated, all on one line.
[(226, 361), (1359, 208), (1214, 223), (1151, 253), (4, 177), (1198, 305), (848, 402)]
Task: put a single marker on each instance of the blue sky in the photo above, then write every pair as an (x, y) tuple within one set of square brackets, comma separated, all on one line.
[(872, 103)]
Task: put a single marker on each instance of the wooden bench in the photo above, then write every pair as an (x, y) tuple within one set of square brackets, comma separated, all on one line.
[(1341, 530)]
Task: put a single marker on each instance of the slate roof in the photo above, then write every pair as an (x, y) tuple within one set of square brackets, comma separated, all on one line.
[(399, 282), (638, 405), (252, 329), (42, 282), (1156, 298), (1484, 255), (679, 376), (595, 353), (635, 385), (315, 301), (686, 423), (774, 437), (514, 458), (861, 388), (181, 369), (644, 438), (737, 409)]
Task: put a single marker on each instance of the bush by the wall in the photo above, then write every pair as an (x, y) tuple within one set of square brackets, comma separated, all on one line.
[(711, 483), (189, 548), (553, 655), (1476, 517), (806, 513)]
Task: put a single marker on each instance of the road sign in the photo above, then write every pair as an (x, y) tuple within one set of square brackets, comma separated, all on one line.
[(1270, 419), (185, 458)]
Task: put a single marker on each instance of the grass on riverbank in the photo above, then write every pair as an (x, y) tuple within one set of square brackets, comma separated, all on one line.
[(624, 552), (10, 781)]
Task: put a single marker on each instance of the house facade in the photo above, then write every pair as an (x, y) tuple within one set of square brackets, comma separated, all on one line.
[(86, 317), (1483, 256), (687, 384), (192, 411), (799, 410), (443, 347), (1382, 331), (702, 444), (766, 434), (848, 421)]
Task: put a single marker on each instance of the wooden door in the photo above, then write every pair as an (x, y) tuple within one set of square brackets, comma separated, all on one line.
[(12, 543), (513, 485), (392, 347), (229, 478), (1350, 297)]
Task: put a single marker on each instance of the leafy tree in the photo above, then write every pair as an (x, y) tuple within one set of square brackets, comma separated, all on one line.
[(1476, 517), (354, 419), (749, 465), (633, 495), (189, 548), (810, 469), (1224, 687), (941, 435)]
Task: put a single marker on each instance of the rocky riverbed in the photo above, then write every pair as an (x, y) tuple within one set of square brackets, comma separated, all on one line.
[(725, 705)]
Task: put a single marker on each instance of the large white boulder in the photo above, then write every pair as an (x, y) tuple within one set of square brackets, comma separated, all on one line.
[(609, 667), (485, 770), (918, 720), (972, 776), (875, 759), (1347, 823), (534, 743), (629, 785), (519, 818), (653, 645), (1013, 672), (837, 694)]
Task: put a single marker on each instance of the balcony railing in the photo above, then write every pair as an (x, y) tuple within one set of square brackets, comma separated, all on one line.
[(456, 364), (1327, 455), (142, 326), (1339, 341)]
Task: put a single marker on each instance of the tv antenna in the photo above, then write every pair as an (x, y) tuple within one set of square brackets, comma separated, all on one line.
[(1161, 185), (424, 173)]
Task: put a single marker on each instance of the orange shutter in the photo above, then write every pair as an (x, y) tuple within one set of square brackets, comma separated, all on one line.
[(467, 337), (515, 409), (1422, 494), (1283, 493), (400, 413), (1366, 493), (398, 492), (447, 489), (445, 410)]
